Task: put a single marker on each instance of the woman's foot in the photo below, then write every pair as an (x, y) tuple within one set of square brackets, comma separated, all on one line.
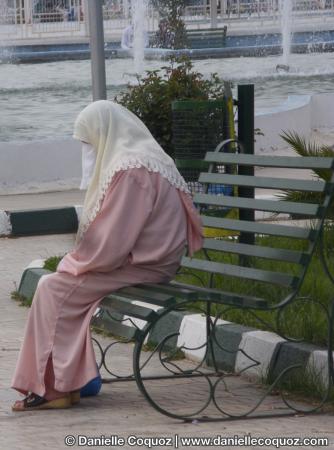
[(35, 402)]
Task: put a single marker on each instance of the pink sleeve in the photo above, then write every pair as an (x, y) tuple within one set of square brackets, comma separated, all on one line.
[(107, 243), (194, 224)]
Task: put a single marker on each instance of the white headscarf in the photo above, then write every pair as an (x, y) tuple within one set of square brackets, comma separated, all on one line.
[(121, 141)]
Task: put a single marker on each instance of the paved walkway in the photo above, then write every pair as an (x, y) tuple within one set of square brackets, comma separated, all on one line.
[(119, 409), (41, 200)]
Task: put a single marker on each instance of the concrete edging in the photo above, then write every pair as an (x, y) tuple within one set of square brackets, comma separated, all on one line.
[(272, 352), (39, 221)]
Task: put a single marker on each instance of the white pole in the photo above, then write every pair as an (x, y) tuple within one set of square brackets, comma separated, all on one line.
[(85, 17), (28, 11), (213, 14), (126, 8), (97, 50)]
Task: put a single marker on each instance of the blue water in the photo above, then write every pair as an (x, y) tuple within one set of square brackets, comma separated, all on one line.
[(276, 39)]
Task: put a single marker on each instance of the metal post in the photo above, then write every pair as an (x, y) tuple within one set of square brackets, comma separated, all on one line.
[(97, 50), (28, 12), (85, 16), (213, 14), (228, 120), (246, 137), (126, 8)]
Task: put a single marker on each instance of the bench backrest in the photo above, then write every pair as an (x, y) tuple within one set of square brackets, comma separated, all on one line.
[(275, 263)]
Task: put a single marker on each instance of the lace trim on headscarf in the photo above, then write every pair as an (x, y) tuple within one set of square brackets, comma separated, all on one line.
[(131, 162)]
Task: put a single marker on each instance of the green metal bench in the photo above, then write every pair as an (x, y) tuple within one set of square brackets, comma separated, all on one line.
[(200, 38), (204, 38), (233, 273)]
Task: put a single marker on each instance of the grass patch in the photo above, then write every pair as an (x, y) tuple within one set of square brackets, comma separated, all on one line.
[(300, 384), (21, 299), (150, 346), (174, 354), (101, 331), (52, 263)]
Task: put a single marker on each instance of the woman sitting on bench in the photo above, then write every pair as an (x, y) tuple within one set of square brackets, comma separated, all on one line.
[(137, 219)]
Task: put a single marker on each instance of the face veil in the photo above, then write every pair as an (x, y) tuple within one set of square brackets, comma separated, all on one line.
[(88, 164)]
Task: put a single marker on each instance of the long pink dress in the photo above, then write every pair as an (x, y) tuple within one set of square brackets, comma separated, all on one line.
[(138, 236)]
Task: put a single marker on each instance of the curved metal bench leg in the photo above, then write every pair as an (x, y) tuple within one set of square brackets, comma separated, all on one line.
[(189, 390), (164, 366)]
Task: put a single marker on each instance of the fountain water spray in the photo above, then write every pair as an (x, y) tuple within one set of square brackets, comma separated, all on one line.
[(139, 20), (3, 12), (286, 27), (7, 14)]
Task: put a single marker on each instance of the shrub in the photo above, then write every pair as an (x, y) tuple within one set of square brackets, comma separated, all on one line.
[(152, 98)]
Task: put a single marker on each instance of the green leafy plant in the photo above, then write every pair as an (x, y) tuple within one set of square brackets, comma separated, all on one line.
[(171, 11), (304, 148), (152, 98), (21, 299), (52, 263)]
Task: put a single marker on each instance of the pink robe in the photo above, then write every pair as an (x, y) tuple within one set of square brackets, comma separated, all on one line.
[(138, 236)]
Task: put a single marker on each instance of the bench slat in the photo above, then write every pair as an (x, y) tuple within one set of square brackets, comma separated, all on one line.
[(191, 164), (147, 295), (265, 276), (308, 209), (167, 288), (228, 298), (259, 228), (114, 302), (293, 162), (263, 182), (259, 251)]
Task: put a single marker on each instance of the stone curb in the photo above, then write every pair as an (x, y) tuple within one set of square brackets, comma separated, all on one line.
[(270, 351), (39, 221)]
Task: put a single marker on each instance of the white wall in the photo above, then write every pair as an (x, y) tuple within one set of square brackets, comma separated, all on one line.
[(56, 164), (300, 113), (39, 165), (322, 111)]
